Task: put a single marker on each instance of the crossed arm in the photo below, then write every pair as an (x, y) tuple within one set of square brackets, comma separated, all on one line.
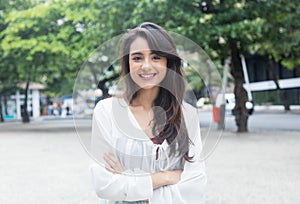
[(159, 179), (110, 183)]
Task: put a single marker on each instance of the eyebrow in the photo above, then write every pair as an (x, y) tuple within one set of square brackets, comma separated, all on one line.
[(136, 53), (139, 53)]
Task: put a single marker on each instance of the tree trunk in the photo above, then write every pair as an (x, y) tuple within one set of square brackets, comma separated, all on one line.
[(25, 115), (5, 105), (282, 93), (240, 110), (284, 100), (1, 115)]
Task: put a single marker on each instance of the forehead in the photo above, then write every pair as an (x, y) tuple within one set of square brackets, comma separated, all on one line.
[(139, 44)]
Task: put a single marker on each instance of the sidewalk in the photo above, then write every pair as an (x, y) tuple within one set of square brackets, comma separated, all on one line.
[(266, 109), (257, 167), (44, 162)]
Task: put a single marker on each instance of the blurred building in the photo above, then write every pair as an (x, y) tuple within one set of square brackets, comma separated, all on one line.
[(263, 86), (12, 105)]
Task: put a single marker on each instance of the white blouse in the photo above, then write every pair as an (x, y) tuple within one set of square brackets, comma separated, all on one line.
[(116, 130)]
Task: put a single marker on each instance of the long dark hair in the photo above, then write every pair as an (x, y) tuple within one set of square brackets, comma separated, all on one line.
[(171, 91)]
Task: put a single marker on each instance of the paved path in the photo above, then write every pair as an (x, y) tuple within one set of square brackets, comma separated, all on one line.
[(255, 168), (44, 162)]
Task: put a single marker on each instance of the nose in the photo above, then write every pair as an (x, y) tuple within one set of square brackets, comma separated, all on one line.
[(146, 64)]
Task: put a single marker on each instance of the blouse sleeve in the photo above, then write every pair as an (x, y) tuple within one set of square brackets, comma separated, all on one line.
[(106, 184), (190, 189)]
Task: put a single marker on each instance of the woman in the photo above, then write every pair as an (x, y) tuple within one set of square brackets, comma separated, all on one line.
[(147, 142)]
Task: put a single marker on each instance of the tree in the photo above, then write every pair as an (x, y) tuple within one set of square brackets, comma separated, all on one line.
[(29, 41), (230, 28), (222, 28), (49, 41), (8, 73), (281, 39), (99, 22)]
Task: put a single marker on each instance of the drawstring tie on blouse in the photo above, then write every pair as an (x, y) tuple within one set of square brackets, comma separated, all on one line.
[(159, 154)]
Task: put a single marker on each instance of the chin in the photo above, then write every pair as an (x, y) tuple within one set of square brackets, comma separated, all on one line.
[(148, 86)]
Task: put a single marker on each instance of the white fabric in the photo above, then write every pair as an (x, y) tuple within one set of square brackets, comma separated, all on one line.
[(137, 154)]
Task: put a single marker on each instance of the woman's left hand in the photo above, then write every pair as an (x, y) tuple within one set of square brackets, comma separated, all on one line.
[(113, 164)]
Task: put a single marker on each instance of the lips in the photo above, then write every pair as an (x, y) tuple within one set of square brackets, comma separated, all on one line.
[(147, 76)]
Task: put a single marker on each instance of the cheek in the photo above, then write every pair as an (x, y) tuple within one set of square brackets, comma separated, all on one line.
[(132, 71), (164, 73), (163, 68), (133, 66), (164, 63)]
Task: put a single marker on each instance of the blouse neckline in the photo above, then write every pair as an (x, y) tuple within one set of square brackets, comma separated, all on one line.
[(154, 140)]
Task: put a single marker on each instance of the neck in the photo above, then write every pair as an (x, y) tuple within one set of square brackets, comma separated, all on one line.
[(146, 97)]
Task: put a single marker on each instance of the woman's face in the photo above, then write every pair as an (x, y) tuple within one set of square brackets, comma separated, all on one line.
[(147, 69)]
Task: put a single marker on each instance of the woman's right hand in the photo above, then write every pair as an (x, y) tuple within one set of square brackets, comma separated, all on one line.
[(164, 178)]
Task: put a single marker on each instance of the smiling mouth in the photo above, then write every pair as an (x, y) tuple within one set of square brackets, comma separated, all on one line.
[(147, 76)]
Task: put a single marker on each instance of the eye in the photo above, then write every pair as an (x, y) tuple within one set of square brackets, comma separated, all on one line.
[(136, 58), (156, 57)]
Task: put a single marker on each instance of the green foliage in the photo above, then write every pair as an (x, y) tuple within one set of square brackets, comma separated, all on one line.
[(281, 29), (30, 43), (8, 71), (50, 40)]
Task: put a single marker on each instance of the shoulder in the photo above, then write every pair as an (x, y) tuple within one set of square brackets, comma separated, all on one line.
[(190, 115), (103, 108), (191, 118), (106, 106), (188, 108)]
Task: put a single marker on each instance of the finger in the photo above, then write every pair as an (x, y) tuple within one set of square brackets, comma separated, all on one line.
[(114, 166), (110, 161), (113, 161), (107, 158), (112, 157), (111, 170)]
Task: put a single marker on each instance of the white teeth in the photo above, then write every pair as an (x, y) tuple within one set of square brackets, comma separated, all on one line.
[(147, 75)]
